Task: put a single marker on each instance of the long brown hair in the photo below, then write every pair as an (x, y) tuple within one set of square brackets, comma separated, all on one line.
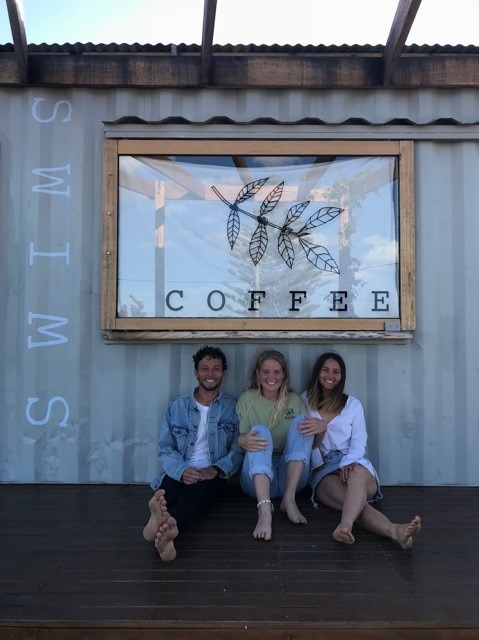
[(336, 400), (283, 391)]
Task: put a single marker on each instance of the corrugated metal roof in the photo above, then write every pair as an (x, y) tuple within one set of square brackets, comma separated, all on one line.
[(292, 49), (175, 120)]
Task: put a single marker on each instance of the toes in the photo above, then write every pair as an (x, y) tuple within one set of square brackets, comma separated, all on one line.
[(343, 535)]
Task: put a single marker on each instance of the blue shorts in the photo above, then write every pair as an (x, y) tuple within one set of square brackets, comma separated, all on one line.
[(330, 466)]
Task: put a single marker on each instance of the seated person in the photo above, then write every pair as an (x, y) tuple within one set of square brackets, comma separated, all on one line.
[(198, 451)]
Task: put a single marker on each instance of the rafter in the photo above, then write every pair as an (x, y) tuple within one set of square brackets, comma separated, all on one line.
[(209, 16), (17, 25), (240, 67), (401, 26), (342, 71)]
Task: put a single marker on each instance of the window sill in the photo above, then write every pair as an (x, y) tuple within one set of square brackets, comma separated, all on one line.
[(314, 337)]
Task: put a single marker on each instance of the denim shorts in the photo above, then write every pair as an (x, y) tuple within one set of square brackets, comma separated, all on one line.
[(331, 461)]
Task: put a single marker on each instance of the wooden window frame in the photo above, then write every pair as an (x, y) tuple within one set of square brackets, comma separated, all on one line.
[(319, 329)]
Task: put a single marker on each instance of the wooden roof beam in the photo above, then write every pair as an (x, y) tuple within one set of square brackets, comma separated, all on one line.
[(401, 26), (209, 16), (17, 25), (446, 70)]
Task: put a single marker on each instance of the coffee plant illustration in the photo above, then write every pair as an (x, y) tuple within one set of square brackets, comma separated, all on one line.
[(318, 255)]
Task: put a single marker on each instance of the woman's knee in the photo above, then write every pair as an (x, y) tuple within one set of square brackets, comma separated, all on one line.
[(331, 491), (293, 426), (263, 432), (298, 447), (360, 474), (297, 439), (258, 462)]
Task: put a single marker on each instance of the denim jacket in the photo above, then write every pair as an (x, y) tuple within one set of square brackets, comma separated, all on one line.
[(179, 432)]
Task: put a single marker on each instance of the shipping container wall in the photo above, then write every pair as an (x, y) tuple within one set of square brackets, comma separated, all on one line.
[(76, 409)]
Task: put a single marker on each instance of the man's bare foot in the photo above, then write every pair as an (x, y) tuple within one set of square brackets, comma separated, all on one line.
[(164, 539), (403, 533), (263, 529), (158, 515), (291, 509), (343, 534)]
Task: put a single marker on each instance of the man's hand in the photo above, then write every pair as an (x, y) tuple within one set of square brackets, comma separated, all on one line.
[(192, 475), (209, 473)]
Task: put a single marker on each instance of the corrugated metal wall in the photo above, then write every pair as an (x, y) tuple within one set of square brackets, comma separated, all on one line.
[(78, 410)]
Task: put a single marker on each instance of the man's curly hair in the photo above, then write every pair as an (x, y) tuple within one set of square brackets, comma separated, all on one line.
[(210, 352)]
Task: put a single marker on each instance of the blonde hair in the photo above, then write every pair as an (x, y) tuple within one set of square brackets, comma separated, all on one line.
[(283, 391)]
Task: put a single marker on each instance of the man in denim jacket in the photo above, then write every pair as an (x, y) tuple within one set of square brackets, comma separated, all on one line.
[(198, 450)]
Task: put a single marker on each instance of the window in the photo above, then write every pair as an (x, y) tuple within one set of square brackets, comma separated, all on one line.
[(237, 237)]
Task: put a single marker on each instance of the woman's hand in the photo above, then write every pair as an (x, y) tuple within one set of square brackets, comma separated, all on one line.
[(345, 472), (252, 442), (310, 426)]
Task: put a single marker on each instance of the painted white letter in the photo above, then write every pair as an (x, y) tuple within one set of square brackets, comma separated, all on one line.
[(54, 181), (45, 254), (51, 402), (45, 330), (55, 109)]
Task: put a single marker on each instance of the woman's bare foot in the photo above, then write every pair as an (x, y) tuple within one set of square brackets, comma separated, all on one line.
[(403, 533), (343, 534), (263, 529), (158, 515), (164, 539), (290, 507)]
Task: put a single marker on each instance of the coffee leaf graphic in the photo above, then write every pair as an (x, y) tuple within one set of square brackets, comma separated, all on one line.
[(258, 243), (319, 256), (250, 190), (272, 199), (294, 213), (233, 226), (286, 249), (324, 215)]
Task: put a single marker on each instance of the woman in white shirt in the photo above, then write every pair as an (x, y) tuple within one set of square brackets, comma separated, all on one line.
[(343, 478)]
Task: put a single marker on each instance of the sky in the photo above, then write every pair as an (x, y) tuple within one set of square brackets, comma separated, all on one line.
[(241, 21)]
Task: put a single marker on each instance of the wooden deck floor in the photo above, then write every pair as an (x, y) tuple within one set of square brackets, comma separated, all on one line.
[(74, 566)]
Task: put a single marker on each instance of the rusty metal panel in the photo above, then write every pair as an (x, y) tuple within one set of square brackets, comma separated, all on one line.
[(75, 409)]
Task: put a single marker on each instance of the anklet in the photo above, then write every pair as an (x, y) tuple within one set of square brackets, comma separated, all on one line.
[(266, 502)]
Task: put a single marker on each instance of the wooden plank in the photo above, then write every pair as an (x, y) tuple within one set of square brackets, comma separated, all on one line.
[(407, 257), (264, 147), (142, 632), (434, 72), (110, 233), (209, 15), (87, 573), (15, 16), (243, 71), (245, 324), (315, 337), (403, 20)]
